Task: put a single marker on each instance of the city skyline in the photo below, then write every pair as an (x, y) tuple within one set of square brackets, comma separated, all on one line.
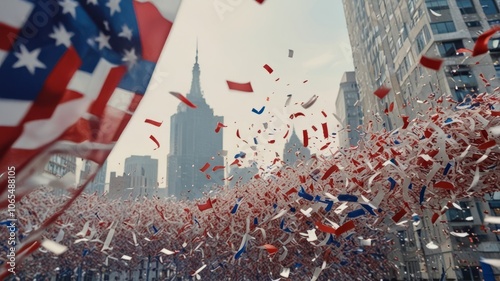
[(321, 54)]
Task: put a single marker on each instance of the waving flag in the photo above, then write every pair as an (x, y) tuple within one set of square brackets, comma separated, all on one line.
[(74, 70), (72, 74)]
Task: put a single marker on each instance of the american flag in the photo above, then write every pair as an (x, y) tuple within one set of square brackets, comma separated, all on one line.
[(73, 72)]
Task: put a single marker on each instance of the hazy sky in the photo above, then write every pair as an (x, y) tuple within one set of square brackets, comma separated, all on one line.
[(236, 38)]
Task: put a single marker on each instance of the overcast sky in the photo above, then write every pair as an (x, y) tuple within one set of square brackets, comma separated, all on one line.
[(236, 38)]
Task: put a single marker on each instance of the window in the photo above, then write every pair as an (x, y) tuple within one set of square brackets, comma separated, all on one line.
[(437, 4), (473, 24), (489, 7), (466, 7), (494, 44), (456, 215), (449, 48), (443, 27), (422, 39), (494, 22)]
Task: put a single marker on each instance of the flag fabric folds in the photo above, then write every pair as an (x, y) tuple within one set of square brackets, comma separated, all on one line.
[(74, 71), (72, 74)]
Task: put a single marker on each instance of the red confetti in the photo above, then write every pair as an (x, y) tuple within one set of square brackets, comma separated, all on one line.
[(344, 228), (294, 115), (325, 146), (286, 134), (306, 138), (432, 63), (314, 128), (463, 50), (216, 168), (305, 81), (155, 141), (238, 133), (435, 217), (219, 126), (397, 217), (444, 185), (183, 99), (242, 87), (330, 171), (206, 206), (277, 79), (481, 46), (325, 228), (205, 167), (270, 249), (382, 92), (260, 1), (324, 113), (487, 145), (153, 122), (406, 121), (391, 107), (325, 130), (268, 68)]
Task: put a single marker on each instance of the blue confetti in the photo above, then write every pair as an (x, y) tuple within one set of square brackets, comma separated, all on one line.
[(255, 221), (447, 169), (393, 183), (348, 198), (369, 209), (422, 193), (356, 213), (305, 195)]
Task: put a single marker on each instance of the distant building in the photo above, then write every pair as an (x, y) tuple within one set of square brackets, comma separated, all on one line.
[(99, 182), (193, 143), (143, 173), (59, 166), (242, 175), (119, 186), (294, 150), (349, 110)]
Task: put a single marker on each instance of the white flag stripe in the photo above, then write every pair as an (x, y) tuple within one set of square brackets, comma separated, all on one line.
[(16, 109), (14, 13), (41, 132), (91, 84)]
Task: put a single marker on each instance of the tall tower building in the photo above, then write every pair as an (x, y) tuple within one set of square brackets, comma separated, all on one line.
[(349, 110), (193, 143), (389, 37), (294, 150)]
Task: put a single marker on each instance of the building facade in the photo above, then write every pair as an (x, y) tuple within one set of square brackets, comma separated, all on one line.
[(388, 38), (98, 184), (143, 173), (348, 110), (193, 143), (59, 166), (119, 186)]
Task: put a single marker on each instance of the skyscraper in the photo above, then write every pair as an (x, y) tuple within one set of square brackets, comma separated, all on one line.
[(294, 150), (193, 143), (348, 110), (388, 38)]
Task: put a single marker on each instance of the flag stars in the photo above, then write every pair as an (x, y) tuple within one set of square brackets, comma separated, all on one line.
[(69, 7), (103, 41), (130, 57), (62, 36), (114, 6), (126, 32), (28, 59)]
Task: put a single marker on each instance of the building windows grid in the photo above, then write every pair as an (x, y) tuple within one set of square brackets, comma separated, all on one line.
[(437, 4), (489, 7), (466, 7), (443, 27), (449, 48)]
